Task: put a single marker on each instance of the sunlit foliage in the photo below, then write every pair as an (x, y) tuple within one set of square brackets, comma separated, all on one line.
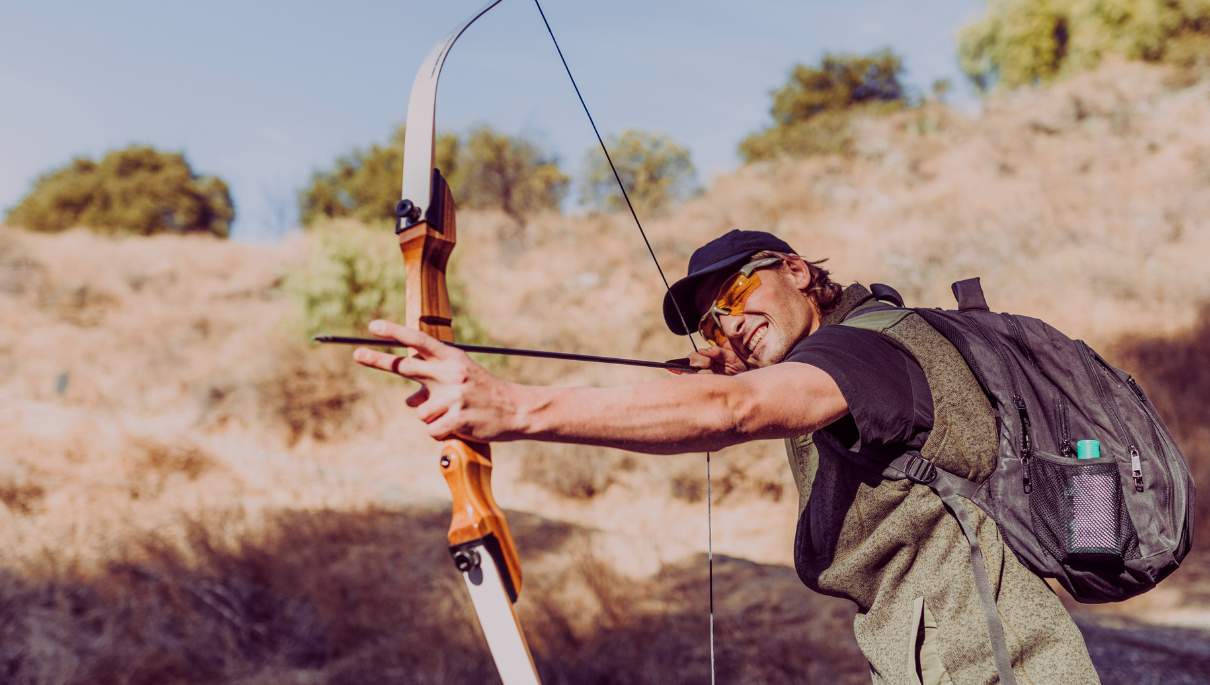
[(347, 280), (654, 169), (1020, 42), (812, 112), (485, 170), (137, 190)]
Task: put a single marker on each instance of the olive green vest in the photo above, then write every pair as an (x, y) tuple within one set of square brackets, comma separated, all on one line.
[(891, 547)]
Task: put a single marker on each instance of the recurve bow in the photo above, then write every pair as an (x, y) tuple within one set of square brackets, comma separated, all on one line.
[(480, 542)]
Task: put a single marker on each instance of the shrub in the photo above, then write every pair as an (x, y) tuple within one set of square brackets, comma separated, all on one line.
[(654, 169), (510, 174), (487, 170), (353, 274), (364, 184), (813, 110), (136, 190), (1021, 42)]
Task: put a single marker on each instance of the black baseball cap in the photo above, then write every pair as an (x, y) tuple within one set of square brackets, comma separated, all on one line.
[(727, 252)]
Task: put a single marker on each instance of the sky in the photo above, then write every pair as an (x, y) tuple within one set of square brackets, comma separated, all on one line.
[(265, 93)]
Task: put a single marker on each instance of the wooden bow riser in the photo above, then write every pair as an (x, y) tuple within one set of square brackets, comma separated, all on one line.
[(426, 247)]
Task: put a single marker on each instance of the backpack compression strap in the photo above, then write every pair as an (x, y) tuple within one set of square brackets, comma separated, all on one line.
[(969, 294), (953, 489)]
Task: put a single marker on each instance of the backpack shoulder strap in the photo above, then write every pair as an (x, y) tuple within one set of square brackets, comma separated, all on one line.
[(877, 318), (882, 309), (886, 293), (953, 490)]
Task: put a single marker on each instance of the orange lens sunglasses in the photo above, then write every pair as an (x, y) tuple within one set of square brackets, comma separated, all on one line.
[(730, 299)]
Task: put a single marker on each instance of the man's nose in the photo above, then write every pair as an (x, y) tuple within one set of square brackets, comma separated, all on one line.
[(731, 324)]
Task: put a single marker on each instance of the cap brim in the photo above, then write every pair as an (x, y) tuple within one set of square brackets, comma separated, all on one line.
[(681, 295)]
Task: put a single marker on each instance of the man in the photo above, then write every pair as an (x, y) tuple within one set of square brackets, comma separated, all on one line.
[(783, 364)]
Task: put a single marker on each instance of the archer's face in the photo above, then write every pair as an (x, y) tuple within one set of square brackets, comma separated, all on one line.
[(776, 315)]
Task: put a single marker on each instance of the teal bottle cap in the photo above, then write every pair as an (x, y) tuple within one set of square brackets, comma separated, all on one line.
[(1088, 449)]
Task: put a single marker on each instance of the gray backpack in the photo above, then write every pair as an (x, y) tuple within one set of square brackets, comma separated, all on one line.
[(1106, 527)]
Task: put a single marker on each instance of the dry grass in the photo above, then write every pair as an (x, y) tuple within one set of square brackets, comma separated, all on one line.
[(190, 492), (350, 596)]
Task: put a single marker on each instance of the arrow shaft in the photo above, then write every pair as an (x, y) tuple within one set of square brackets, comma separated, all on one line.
[(674, 364)]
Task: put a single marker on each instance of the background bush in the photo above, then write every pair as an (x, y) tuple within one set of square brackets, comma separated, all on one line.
[(486, 170), (1020, 42), (136, 190), (655, 171), (364, 184), (813, 110), (508, 173), (353, 274)]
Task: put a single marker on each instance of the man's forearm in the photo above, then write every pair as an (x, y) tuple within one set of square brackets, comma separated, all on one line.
[(685, 414)]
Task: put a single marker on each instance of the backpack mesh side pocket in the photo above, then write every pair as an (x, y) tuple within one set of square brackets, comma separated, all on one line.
[(1079, 514)]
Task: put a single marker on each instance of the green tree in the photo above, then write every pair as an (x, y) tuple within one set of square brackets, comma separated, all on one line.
[(137, 190), (813, 111), (655, 172), (487, 170), (1021, 42), (510, 174), (364, 184)]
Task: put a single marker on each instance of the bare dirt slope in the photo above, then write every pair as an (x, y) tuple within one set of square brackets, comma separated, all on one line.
[(188, 491)]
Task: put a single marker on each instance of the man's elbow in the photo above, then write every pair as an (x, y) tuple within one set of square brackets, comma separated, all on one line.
[(754, 413), (745, 414)]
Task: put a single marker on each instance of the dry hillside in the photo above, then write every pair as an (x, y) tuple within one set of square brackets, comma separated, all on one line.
[(191, 492)]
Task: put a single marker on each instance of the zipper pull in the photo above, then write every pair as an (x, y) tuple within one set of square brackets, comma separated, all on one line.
[(1134, 386), (1136, 468), (1027, 448), (1026, 441)]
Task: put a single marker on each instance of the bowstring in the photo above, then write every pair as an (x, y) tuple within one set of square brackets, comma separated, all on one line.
[(676, 305)]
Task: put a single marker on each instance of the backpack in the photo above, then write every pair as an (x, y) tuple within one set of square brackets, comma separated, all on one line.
[(1106, 527)]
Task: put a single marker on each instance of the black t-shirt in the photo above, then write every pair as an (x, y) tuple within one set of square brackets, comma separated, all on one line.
[(890, 405)]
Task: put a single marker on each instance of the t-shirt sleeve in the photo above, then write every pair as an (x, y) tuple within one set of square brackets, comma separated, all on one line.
[(884, 387)]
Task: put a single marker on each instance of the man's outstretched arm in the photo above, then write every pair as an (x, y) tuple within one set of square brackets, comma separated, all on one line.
[(688, 413)]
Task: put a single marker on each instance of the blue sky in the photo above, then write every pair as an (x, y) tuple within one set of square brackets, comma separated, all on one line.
[(263, 93)]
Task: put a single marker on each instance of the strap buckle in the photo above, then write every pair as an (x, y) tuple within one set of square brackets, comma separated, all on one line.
[(920, 470)]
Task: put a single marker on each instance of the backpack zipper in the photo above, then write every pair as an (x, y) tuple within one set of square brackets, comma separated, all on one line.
[(1155, 435), (1027, 448), (1152, 419), (1019, 335), (1066, 449), (1136, 468), (1063, 438), (1136, 462)]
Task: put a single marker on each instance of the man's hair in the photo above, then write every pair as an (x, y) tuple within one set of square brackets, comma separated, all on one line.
[(822, 290)]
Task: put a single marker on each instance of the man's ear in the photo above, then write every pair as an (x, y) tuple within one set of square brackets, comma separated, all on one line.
[(797, 268)]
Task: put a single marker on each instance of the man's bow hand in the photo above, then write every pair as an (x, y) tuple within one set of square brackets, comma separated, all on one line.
[(457, 397)]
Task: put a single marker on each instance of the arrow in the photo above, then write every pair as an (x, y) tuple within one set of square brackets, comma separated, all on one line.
[(681, 364)]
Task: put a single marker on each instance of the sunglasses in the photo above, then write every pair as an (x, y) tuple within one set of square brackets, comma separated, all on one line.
[(730, 299)]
